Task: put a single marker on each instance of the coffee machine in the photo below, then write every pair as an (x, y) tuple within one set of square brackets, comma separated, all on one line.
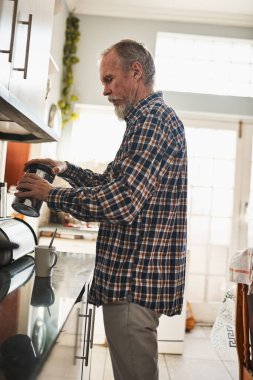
[(17, 239)]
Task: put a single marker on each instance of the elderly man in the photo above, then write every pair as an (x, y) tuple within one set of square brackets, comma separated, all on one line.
[(140, 202)]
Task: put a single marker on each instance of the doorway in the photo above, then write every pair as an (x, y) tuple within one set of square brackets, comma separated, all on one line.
[(220, 161)]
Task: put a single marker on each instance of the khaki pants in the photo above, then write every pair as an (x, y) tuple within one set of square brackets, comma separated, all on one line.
[(132, 338)]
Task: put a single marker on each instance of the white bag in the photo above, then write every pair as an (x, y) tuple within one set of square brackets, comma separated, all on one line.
[(223, 332)]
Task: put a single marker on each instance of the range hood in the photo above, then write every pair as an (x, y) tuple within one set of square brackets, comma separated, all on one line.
[(18, 123)]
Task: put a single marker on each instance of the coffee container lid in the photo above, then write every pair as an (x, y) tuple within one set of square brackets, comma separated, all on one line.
[(42, 167)]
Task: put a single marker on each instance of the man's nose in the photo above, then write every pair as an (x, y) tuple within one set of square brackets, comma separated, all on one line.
[(106, 91)]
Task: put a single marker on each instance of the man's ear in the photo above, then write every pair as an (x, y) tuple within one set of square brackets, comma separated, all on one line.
[(137, 70)]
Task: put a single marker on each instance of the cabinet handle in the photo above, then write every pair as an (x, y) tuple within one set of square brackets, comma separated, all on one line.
[(13, 26), (88, 339), (87, 351), (92, 328), (29, 28), (76, 336)]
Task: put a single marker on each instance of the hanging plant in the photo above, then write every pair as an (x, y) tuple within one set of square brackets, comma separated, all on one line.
[(68, 99)]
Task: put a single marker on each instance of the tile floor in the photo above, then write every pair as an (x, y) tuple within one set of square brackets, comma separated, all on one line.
[(199, 361)]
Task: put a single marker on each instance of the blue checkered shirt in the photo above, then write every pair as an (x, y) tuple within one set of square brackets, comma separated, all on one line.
[(140, 203)]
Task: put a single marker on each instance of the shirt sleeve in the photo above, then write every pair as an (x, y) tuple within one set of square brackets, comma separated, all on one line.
[(77, 176), (133, 181)]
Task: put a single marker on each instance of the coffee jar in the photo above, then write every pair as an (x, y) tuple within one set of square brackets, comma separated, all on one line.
[(31, 206)]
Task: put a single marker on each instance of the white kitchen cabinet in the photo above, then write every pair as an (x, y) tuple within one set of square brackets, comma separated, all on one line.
[(25, 41), (70, 357), (8, 10), (78, 334), (31, 53)]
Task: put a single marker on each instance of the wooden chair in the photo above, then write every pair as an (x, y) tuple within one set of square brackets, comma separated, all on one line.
[(244, 332)]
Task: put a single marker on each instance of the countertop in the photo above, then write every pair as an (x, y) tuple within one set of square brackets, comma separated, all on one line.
[(33, 310), (63, 231)]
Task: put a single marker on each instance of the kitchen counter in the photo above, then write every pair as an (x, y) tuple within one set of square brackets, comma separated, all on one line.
[(72, 239), (64, 231), (33, 314)]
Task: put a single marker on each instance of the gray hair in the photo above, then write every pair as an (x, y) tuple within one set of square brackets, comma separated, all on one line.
[(130, 51)]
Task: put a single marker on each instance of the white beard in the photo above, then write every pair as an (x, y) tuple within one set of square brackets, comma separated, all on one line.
[(122, 110)]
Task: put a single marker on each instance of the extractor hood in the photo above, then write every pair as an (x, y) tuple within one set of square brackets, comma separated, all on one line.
[(18, 123)]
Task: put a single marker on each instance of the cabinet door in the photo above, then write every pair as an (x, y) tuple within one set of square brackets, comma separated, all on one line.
[(62, 362), (32, 43), (86, 320), (70, 358), (17, 156), (8, 11)]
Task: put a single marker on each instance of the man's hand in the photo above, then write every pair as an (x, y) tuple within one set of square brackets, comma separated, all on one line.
[(33, 186), (57, 167)]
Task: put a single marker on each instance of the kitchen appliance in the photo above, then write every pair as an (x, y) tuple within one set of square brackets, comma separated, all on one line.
[(31, 206), (15, 274), (17, 357), (14, 230)]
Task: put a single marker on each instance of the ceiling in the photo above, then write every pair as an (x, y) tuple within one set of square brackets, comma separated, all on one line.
[(221, 12)]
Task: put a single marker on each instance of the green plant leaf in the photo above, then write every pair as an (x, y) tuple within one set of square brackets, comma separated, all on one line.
[(72, 37), (74, 98)]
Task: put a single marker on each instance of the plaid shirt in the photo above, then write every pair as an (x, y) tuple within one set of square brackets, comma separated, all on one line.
[(140, 202)]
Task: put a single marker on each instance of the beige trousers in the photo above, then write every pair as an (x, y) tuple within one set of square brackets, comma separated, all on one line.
[(131, 332)]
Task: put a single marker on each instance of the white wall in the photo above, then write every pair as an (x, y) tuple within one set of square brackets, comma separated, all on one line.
[(98, 33)]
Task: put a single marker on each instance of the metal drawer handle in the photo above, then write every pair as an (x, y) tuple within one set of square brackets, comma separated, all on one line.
[(86, 355), (13, 26), (92, 328), (76, 336), (88, 339), (29, 28)]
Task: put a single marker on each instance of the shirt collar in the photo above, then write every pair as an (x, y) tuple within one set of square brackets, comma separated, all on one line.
[(138, 107)]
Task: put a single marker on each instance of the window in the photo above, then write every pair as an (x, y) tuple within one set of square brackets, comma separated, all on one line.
[(96, 135), (211, 190), (204, 64)]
